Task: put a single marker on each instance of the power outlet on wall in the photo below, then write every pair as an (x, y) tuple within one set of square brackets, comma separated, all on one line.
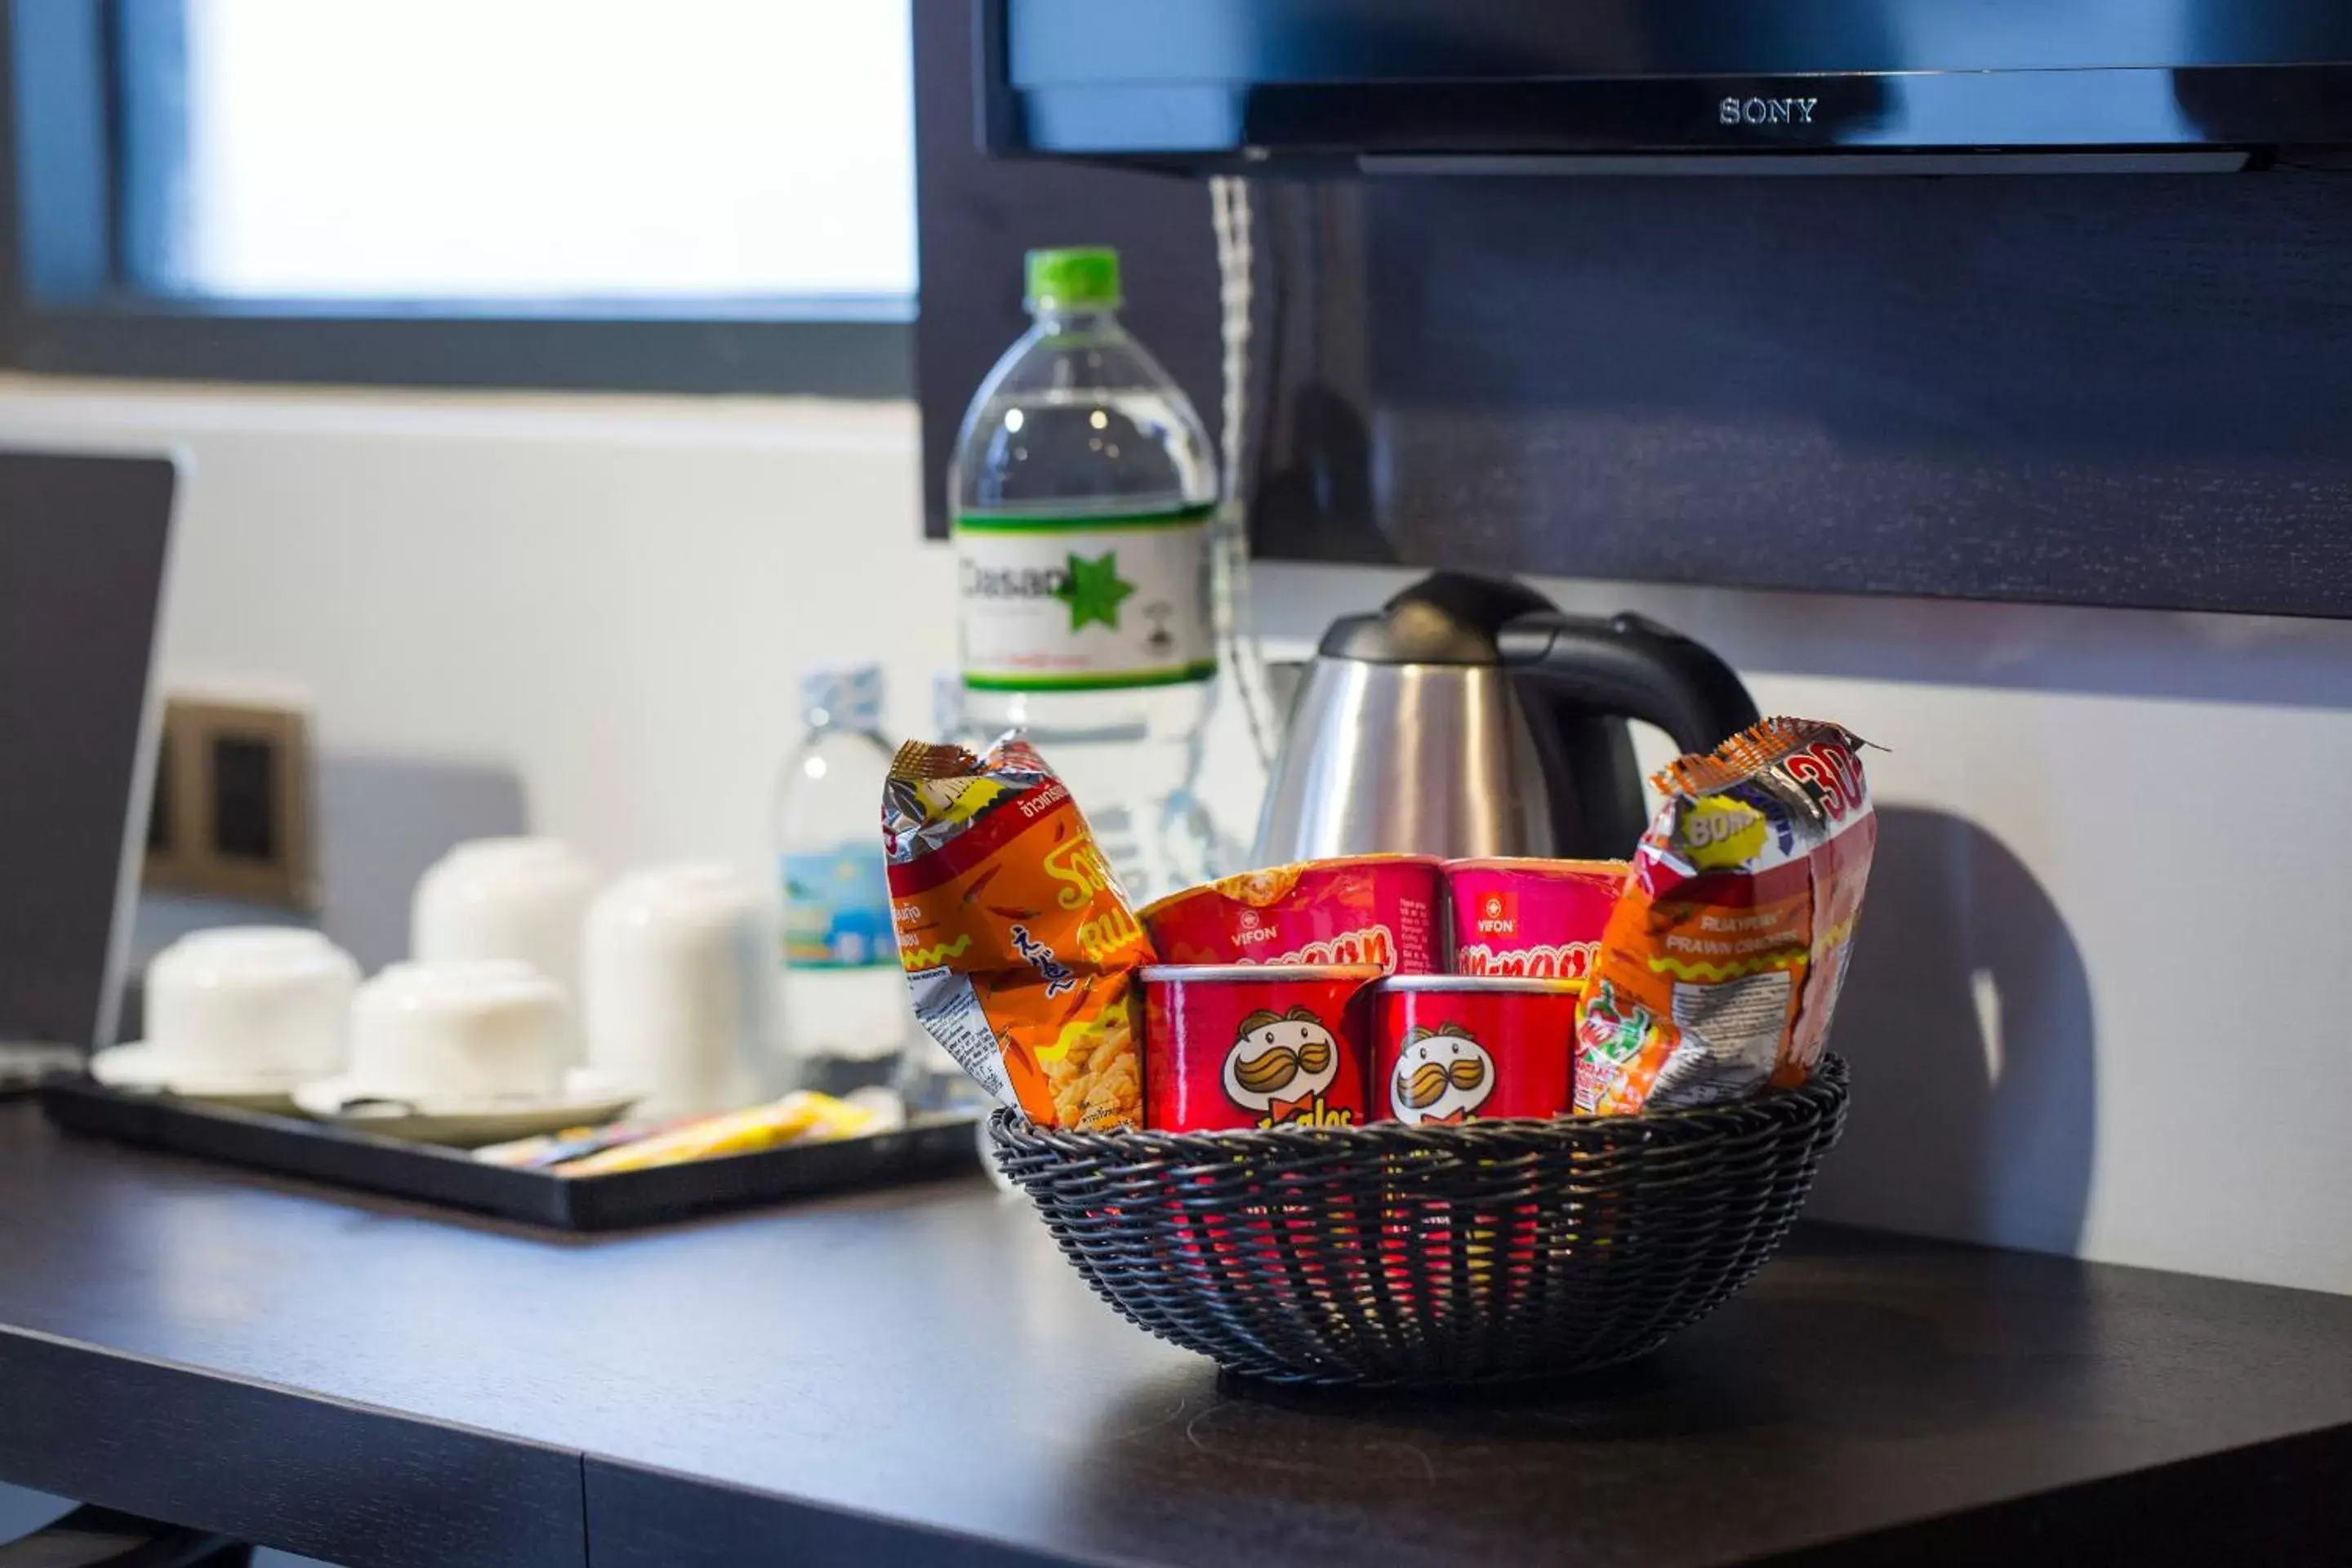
[(232, 814)]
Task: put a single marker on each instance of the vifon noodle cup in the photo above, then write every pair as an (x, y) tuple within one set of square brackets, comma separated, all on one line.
[(1542, 918), (1380, 910)]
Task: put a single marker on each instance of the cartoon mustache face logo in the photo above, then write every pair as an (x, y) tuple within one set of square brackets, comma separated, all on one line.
[(1442, 1076), (1430, 1079), (1281, 1062), (1274, 1067)]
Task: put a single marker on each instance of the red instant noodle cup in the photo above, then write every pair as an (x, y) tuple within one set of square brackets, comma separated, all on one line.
[(1235, 1046), (1468, 1047), (1541, 919), (1380, 910)]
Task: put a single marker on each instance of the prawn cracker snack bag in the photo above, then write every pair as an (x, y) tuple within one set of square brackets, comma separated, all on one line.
[(1722, 960), (1018, 942)]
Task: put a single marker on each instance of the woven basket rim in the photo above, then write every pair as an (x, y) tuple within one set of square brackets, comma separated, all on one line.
[(1826, 1086), (1389, 1255)]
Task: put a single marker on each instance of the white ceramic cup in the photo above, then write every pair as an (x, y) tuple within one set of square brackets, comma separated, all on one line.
[(249, 1001), (681, 987), (507, 898), (468, 1032)]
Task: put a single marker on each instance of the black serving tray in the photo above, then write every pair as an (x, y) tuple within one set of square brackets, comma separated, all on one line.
[(294, 1146)]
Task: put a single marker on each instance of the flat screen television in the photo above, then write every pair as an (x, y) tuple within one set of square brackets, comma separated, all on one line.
[(1625, 85)]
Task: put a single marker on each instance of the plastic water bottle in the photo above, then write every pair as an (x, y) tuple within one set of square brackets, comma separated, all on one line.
[(847, 1020), (1083, 493)]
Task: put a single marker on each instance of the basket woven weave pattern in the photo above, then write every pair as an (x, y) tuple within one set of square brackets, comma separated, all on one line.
[(1389, 1254)]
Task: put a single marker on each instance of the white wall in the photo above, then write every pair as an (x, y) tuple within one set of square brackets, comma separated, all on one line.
[(604, 602), (2096, 1006)]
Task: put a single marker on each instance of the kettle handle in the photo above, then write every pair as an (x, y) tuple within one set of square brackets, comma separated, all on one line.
[(1580, 677)]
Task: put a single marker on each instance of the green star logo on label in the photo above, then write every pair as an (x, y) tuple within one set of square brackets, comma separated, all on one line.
[(1093, 590)]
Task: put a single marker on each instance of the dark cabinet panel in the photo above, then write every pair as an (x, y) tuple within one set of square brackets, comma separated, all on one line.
[(2120, 391)]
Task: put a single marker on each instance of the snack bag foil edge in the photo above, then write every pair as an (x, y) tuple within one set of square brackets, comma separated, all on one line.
[(1019, 944), (1722, 962)]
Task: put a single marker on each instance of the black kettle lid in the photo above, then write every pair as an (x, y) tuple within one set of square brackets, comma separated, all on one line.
[(1447, 617)]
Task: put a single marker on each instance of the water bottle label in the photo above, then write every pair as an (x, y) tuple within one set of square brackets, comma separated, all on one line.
[(838, 910), (1084, 603)]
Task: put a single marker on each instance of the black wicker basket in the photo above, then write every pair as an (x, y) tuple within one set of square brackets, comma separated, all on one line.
[(1394, 1255)]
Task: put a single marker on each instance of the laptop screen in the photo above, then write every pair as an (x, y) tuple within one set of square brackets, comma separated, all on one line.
[(82, 546)]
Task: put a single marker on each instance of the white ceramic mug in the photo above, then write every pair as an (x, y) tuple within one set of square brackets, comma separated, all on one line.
[(681, 988), (471, 1032), (508, 898), (257, 1002)]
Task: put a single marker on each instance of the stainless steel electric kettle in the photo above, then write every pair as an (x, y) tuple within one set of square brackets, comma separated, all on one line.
[(1470, 717)]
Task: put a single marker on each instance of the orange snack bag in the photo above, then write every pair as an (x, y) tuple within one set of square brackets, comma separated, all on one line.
[(1018, 942), (1722, 958)]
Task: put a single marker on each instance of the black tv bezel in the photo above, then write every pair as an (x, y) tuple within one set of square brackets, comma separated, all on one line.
[(2224, 114)]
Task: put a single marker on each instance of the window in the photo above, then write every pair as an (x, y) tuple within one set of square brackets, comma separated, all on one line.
[(539, 148), (701, 193)]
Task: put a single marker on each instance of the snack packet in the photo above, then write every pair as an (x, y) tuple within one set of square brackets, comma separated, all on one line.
[(803, 1116), (1722, 960), (1020, 945), (549, 1149)]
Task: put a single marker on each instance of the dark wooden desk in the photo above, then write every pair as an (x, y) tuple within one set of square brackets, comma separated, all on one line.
[(917, 1377)]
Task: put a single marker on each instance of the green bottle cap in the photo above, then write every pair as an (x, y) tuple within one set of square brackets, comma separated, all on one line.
[(1080, 278)]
